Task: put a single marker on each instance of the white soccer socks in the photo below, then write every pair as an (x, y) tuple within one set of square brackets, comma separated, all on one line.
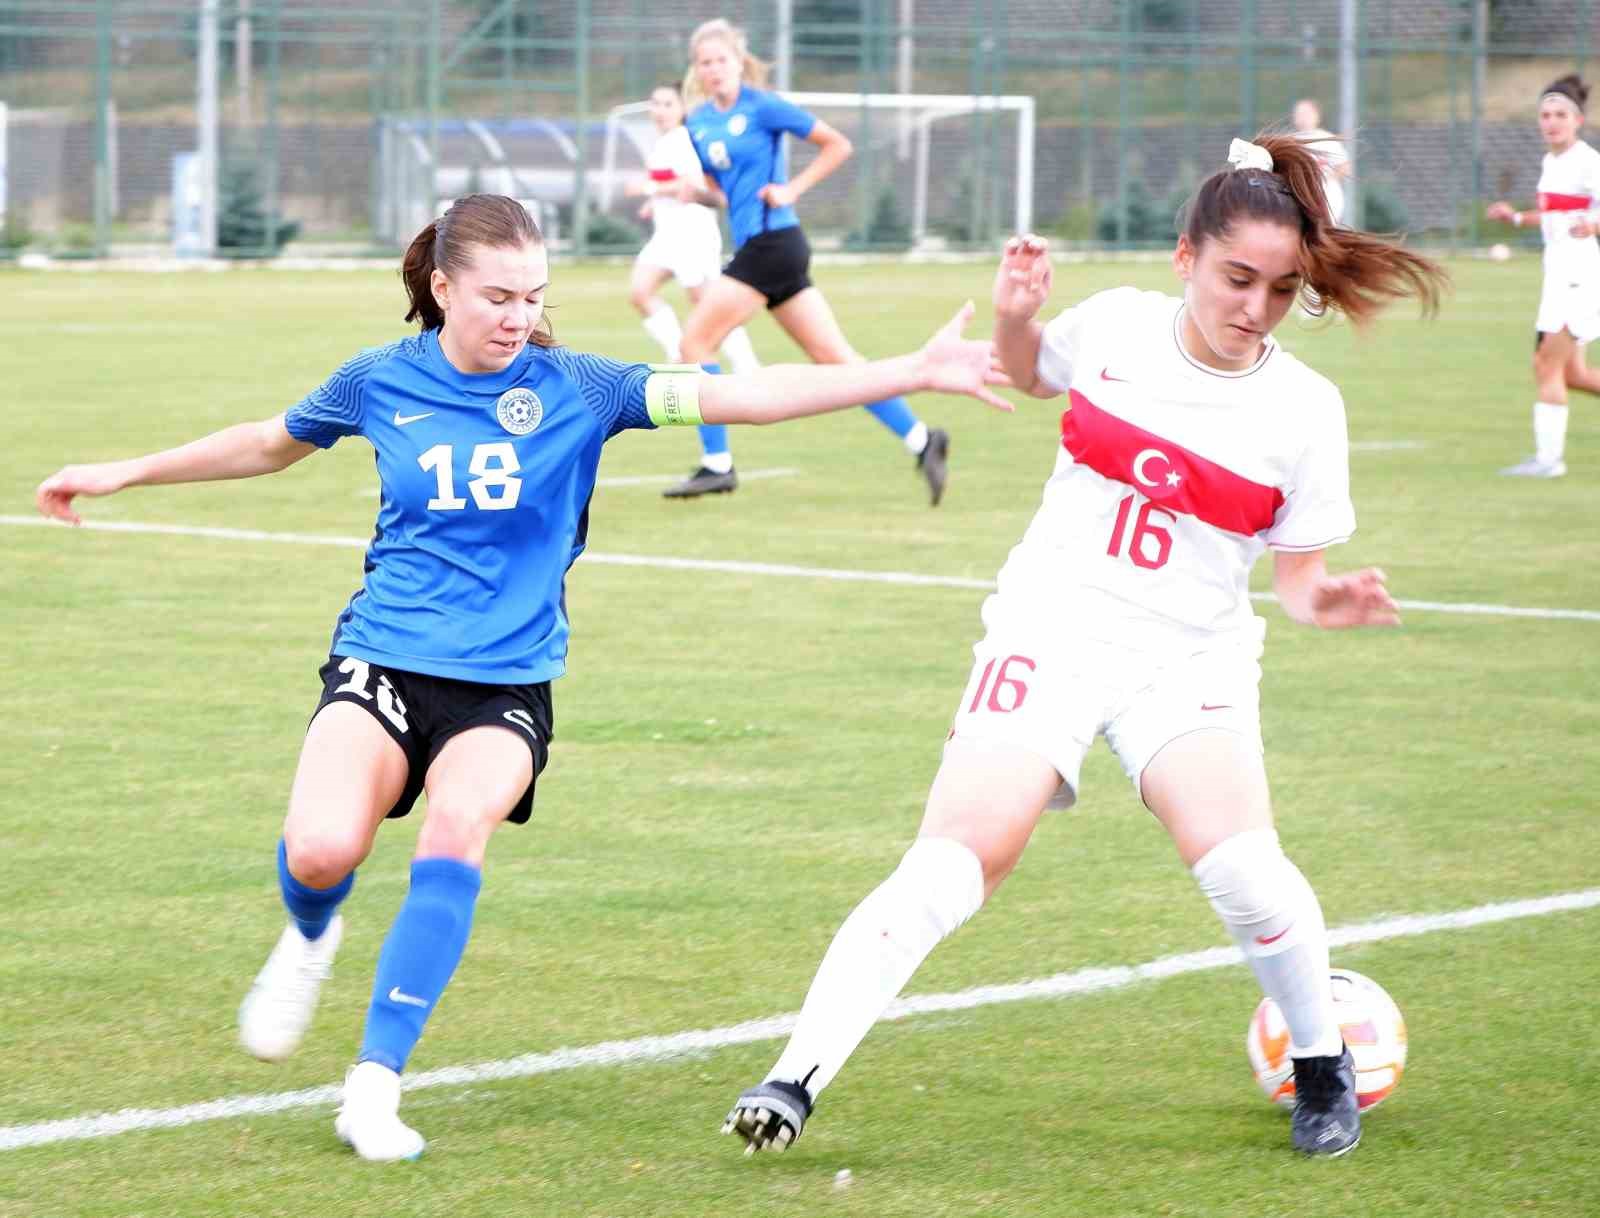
[(937, 886), (662, 325), (1274, 917), (277, 1011), (1549, 432), (740, 354)]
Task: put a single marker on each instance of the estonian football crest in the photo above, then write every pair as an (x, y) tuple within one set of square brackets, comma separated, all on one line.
[(519, 410), (738, 125)]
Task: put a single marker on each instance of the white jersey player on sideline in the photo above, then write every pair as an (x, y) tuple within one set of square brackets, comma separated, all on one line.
[(1569, 305), (1307, 120), (687, 242), (1191, 443)]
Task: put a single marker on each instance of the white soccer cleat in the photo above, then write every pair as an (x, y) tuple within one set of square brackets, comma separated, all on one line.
[(1535, 468), (277, 1011), (369, 1116)]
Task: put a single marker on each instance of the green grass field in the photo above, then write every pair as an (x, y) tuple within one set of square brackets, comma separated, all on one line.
[(739, 758)]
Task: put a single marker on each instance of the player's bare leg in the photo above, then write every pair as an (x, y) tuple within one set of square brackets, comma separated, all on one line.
[(349, 776), (1551, 361), (982, 810), (809, 320)]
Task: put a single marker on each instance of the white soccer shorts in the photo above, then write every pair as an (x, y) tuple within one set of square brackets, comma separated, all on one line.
[(1053, 696), (1570, 302)]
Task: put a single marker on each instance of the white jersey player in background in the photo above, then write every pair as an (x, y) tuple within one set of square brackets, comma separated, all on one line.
[(1191, 443), (1568, 216), (687, 241), (1307, 119)]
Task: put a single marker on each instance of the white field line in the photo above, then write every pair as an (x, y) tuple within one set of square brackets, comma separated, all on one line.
[(682, 1044), (1385, 446), (729, 567)]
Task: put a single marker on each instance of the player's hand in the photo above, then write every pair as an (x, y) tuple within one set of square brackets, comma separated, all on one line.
[(55, 494), (647, 209), (1022, 284), (1501, 211), (686, 191), (1359, 598), (777, 194), (1583, 228), (636, 187), (953, 364)]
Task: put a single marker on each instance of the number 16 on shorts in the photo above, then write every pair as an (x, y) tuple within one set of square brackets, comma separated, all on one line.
[(1002, 685)]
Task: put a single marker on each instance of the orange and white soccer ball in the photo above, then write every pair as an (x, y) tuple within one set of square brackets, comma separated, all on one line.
[(1373, 1029)]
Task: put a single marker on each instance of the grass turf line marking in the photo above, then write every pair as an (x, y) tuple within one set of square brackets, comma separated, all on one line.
[(682, 1044), (728, 567)]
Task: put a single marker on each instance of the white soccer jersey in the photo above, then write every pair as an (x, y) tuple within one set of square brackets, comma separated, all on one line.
[(1331, 150), (1569, 185), (673, 159), (1171, 480)]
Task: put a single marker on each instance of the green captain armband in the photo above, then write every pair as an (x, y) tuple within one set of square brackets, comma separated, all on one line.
[(672, 394)]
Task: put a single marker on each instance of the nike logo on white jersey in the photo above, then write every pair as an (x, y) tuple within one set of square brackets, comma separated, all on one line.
[(396, 994), (400, 420)]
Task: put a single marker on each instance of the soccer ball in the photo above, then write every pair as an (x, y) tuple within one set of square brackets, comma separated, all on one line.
[(1373, 1029)]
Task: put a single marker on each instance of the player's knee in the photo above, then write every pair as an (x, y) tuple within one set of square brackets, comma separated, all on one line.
[(643, 299), (696, 348), (940, 878), (455, 827), (1256, 890), (320, 855)]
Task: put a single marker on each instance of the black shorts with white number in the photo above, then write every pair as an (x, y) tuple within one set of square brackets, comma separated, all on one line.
[(422, 714), (776, 263)]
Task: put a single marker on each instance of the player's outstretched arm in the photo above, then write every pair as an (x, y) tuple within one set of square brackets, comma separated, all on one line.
[(1313, 597), (241, 451), (1021, 286), (947, 363)]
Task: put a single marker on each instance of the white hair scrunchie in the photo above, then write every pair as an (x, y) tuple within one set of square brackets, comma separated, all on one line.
[(1242, 154)]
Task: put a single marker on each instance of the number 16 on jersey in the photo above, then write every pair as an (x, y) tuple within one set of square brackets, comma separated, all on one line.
[(1150, 544)]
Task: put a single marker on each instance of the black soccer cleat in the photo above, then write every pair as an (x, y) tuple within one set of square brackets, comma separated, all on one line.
[(934, 462), (703, 482), (769, 1116), (1327, 1115)]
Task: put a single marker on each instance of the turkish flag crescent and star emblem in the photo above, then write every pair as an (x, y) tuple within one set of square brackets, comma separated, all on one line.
[(1177, 479)]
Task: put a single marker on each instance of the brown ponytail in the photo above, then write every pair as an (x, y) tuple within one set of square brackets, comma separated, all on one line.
[(1355, 272), (449, 243)]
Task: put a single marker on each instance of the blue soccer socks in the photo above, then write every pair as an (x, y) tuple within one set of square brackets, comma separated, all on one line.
[(311, 909), (419, 956)]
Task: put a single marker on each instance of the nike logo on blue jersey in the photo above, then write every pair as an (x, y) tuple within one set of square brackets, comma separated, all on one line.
[(400, 420)]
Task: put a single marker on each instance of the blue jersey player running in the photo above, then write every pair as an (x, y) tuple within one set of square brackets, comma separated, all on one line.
[(488, 438), (738, 132)]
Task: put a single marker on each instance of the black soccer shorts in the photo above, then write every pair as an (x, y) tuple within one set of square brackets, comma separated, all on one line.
[(423, 713)]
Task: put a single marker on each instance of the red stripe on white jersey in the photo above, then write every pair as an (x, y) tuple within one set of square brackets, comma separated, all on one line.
[(662, 175), (1550, 200), (1177, 479)]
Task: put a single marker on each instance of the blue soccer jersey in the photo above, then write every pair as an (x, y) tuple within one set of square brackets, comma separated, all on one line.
[(485, 484), (741, 148)]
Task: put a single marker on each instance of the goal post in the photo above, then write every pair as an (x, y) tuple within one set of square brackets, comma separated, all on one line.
[(912, 139)]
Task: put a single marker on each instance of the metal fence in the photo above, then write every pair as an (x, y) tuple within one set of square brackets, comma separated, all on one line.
[(343, 126)]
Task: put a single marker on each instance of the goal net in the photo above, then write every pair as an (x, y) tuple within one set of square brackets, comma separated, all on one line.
[(928, 169)]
